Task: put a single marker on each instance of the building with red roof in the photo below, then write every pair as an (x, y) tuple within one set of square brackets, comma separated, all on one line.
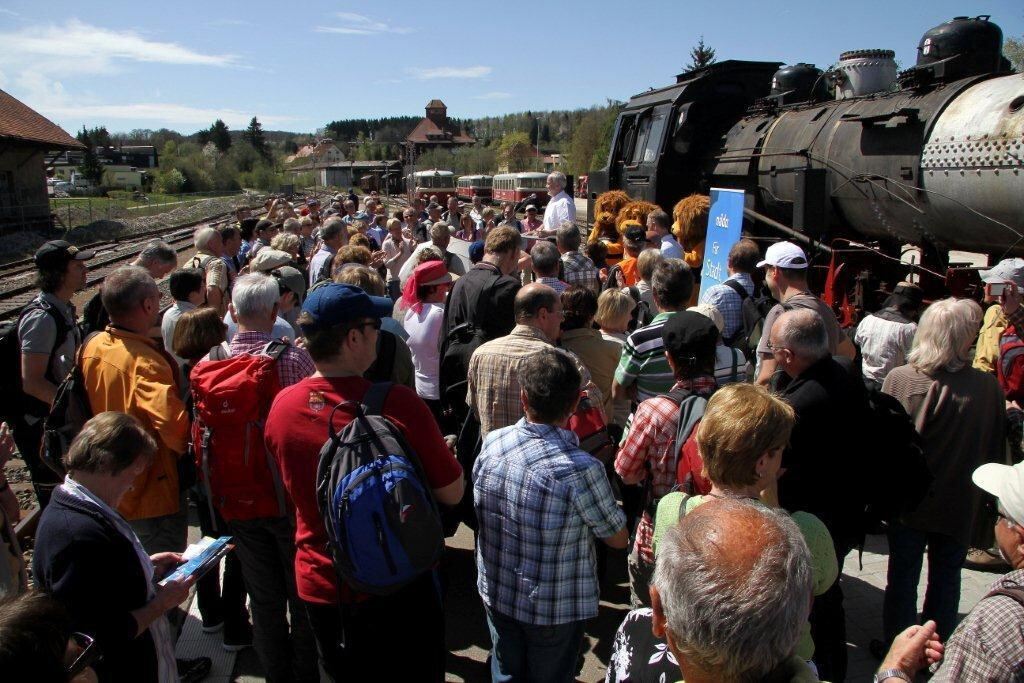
[(27, 139), (436, 130)]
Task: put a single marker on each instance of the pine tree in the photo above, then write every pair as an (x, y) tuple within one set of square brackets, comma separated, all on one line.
[(254, 136), (91, 167), (221, 136), (701, 56)]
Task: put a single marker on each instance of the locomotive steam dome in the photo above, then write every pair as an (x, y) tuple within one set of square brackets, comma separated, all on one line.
[(962, 47), (862, 72), (798, 83)]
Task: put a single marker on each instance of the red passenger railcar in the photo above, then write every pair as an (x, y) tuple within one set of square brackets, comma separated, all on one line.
[(515, 187), (425, 184)]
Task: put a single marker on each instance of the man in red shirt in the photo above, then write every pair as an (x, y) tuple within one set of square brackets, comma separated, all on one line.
[(340, 323)]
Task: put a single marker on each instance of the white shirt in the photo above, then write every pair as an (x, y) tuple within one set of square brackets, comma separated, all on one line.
[(670, 248), (316, 264), (424, 329), (884, 345), (397, 254), (560, 208)]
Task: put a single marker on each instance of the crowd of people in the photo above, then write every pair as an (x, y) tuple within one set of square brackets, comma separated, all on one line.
[(337, 390)]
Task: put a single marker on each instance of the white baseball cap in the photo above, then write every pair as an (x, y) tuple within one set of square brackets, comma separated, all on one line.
[(1005, 483), (1009, 269), (784, 255)]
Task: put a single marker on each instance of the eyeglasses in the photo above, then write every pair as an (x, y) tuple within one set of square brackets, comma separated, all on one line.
[(89, 655), (773, 348)]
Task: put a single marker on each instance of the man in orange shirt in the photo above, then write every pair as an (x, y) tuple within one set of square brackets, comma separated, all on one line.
[(126, 371)]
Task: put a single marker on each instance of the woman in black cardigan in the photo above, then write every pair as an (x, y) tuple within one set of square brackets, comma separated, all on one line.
[(87, 556)]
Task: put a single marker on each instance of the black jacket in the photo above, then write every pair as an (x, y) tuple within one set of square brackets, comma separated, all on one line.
[(824, 473), (479, 309), (83, 561)]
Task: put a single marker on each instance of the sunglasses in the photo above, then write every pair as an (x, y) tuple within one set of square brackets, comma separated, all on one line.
[(90, 654), (376, 323)]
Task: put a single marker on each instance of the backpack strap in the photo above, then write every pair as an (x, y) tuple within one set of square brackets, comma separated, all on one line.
[(373, 401), (740, 290), (1013, 593), (63, 330), (691, 410), (274, 349)]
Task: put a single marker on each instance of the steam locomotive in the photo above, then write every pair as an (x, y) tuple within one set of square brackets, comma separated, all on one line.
[(932, 156)]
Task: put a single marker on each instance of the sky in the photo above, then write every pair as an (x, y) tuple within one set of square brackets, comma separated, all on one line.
[(297, 65)]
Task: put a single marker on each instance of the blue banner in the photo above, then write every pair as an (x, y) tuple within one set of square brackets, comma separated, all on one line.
[(725, 222)]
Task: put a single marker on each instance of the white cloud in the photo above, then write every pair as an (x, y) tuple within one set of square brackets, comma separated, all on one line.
[(164, 114), (9, 12), (450, 72), (493, 95), (361, 25), (80, 48)]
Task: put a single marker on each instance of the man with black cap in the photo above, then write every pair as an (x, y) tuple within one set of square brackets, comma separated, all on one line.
[(355, 631), (648, 449), (885, 336), (48, 339)]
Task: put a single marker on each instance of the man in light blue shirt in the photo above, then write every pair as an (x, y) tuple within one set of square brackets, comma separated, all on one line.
[(728, 297)]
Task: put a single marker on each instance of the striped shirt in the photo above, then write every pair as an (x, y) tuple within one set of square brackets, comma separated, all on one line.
[(540, 501), (554, 283), (643, 361)]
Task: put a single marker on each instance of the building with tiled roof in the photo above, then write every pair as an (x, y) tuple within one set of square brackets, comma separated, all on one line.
[(27, 138), (436, 130)]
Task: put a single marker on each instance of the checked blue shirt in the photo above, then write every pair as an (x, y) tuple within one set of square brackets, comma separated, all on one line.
[(729, 303), (540, 501)]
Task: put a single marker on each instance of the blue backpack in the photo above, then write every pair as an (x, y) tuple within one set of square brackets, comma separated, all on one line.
[(382, 521)]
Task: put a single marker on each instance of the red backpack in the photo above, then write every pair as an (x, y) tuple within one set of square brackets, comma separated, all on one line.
[(1010, 367), (231, 399)]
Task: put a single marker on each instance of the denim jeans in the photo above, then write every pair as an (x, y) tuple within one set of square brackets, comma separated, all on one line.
[(942, 597), (540, 654), (266, 549)]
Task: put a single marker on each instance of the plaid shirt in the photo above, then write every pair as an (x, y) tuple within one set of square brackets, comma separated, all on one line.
[(649, 436), (554, 283), (493, 390), (729, 303), (580, 270), (293, 365), (540, 501), (988, 645)]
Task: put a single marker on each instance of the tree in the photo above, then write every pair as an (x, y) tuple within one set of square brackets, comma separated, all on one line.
[(254, 136), (91, 167), (701, 56), (1013, 50), (221, 136), (515, 151)]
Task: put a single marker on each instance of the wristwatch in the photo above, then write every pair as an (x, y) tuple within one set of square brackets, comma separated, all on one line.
[(891, 673)]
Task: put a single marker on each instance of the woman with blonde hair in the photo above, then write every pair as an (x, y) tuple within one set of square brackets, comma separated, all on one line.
[(740, 440), (960, 413)]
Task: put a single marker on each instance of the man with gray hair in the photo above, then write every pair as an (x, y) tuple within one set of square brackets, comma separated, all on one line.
[(732, 588), (440, 237), (577, 268), (264, 542), (560, 208), (125, 370), (157, 257), (545, 258), (333, 236), (209, 249), (823, 450)]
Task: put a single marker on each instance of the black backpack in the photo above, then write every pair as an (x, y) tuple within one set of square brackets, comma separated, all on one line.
[(383, 524), (14, 402), (642, 313), (896, 476), (68, 415), (753, 309)]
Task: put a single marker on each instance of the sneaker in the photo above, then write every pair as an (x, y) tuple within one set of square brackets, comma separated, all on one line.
[(238, 639), (985, 560), (193, 670)]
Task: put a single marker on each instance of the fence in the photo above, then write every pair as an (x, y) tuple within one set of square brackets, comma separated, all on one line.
[(70, 212)]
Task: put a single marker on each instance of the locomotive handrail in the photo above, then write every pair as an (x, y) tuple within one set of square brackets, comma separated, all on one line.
[(795, 234)]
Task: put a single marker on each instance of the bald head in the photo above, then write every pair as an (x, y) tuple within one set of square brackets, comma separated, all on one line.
[(531, 299), (732, 587), (802, 332)]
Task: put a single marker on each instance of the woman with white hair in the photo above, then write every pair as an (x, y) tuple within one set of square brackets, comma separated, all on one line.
[(960, 414)]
